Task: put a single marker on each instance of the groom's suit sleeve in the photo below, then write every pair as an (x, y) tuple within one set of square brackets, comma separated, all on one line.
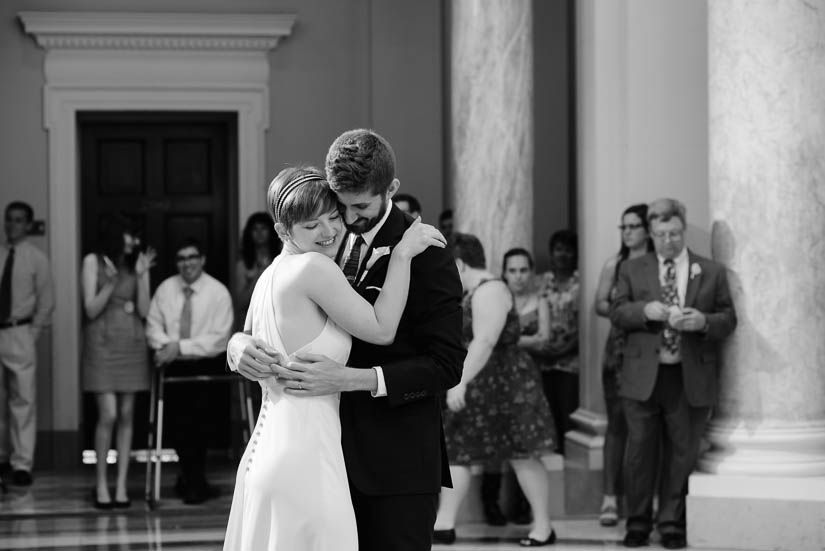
[(432, 326)]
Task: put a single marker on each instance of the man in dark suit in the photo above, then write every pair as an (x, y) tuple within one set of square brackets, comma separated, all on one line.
[(674, 307), (391, 396)]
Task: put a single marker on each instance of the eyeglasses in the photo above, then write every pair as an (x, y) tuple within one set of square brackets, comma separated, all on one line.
[(670, 235), (624, 227), (182, 258)]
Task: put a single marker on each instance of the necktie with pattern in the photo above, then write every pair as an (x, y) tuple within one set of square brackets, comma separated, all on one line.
[(670, 296), (5, 287), (354, 259), (186, 314)]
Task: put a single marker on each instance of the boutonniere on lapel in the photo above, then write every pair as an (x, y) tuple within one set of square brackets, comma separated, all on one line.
[(377, 253), (695, 270)]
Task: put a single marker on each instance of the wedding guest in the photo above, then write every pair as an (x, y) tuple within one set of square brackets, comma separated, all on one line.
[(115, 362), (635, 242), (560, 370), (497, 412), (445, 223), (259, 246), (26, 304), (188, 326), (674, 308), (534, 319), (408, 204)]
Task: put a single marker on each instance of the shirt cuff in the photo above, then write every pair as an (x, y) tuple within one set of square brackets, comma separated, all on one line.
[(382, 385)]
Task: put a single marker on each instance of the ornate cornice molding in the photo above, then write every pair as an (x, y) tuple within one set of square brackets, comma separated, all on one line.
[(157, 31)]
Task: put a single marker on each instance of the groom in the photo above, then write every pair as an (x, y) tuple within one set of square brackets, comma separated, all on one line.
[(390, 408)]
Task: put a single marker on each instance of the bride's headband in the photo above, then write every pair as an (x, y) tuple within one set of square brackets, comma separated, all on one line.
[(291, 186)]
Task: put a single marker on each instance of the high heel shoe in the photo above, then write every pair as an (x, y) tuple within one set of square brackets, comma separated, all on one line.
[(444, 536), (530, 542), (102, 505)]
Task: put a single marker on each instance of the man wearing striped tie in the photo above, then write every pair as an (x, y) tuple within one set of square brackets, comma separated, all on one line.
[(189, 323), (675, 307)]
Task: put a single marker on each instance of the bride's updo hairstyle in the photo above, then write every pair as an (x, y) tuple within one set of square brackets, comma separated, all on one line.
[(298, 194)]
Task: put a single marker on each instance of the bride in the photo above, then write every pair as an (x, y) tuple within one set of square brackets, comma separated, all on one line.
[(291, 490)]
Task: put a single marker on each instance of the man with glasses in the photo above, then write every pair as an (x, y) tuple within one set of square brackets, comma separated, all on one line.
[(675, 307), (188, 326)]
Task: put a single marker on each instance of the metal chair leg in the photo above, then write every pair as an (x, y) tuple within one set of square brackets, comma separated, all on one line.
[(250, 415), (244, 412), (159, 436), (150, 455)]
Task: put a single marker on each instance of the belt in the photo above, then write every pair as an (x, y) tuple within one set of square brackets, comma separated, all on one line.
[(15, 323)]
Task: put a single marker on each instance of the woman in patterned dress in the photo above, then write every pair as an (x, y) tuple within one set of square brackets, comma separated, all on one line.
[(636, 242), (115, 360), (497, 412), (560, 368)]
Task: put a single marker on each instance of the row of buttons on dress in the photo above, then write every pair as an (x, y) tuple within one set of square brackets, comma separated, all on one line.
[(258, 427)]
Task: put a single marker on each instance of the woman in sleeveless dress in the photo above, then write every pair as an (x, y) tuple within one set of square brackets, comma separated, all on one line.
[(636, 242), (115, 360), (498, 411), (291, 490)]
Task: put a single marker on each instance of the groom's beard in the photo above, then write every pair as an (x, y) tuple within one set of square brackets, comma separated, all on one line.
[(363, 225)]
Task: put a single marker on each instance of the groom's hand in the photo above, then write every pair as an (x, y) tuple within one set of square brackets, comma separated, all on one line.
[(311, 375), (257, 359)]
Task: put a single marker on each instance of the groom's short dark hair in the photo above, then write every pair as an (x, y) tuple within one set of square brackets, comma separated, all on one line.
[(360, 160)]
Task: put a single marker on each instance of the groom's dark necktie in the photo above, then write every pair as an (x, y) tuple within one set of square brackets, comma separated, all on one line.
[(670, 296), (5, 287), (353, 260)]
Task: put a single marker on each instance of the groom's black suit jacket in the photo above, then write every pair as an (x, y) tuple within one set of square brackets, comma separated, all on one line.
[(394, 445)]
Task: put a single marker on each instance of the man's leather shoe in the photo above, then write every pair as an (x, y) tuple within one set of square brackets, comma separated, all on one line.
[(194, 494), (636, 538), (21, 478), (444, 536), (674, 541), (5, 468)]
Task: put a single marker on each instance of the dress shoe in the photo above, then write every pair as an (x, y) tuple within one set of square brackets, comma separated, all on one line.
[(674, 541), (530, 542), (444, 536), (125, 504), (493, 514), (102, 505), (636, 538), (19, 477), (5, 468), (196, 493), (609, 515)]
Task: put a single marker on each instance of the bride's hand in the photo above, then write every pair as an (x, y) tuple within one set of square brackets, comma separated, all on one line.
[(417, 238)]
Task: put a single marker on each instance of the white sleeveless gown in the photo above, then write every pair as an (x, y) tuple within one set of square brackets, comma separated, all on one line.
[(291, 490)]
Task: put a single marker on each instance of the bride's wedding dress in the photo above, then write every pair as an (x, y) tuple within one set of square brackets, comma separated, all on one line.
[(291, 490)]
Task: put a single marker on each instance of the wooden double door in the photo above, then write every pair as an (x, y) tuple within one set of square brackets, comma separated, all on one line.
[(174, 175)]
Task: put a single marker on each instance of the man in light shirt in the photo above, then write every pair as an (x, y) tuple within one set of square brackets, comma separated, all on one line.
[(189, 323), (674, 307), (26, 304)]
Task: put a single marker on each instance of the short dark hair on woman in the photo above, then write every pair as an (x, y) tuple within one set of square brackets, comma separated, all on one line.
[(570, 239), (517, 251), (310, 199), (360, 160), (469, 249), (248, 247)]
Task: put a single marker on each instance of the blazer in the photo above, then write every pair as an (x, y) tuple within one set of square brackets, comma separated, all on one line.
[(707, 291), (394, 445)]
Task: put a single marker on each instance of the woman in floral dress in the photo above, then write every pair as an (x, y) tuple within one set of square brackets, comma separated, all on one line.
[(497, 411)]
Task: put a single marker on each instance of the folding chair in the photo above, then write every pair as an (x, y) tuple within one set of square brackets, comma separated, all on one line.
[(155, 444)]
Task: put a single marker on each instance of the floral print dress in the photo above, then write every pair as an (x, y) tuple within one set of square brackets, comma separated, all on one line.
[(506, 415)]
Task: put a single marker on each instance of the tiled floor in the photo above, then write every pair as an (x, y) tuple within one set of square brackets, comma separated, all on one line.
[(56, 514)]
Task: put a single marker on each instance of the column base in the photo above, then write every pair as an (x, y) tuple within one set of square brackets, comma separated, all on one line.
[(758, 513), (584, 462)]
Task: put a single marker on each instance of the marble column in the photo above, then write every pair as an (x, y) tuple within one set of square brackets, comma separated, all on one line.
[(491, 123), (762, 484)]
